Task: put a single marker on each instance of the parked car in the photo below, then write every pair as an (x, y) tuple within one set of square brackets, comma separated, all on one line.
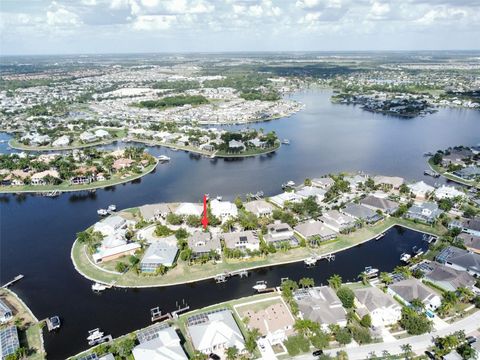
[(214, 356), (471, 339), (317, 352), (430, 355)]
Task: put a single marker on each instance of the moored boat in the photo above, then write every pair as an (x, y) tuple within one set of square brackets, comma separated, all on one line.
[(102, 212), (260, 285), (370, 271)]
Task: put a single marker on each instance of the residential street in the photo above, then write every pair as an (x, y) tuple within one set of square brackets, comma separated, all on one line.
[(419, 343)]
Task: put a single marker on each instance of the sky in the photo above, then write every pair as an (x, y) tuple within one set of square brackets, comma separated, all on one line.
[(126, 26)]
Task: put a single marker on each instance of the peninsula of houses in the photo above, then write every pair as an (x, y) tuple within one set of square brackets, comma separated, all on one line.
[(73, 171), (164, 244)]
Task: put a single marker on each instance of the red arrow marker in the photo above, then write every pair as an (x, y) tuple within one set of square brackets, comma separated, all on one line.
[(205, 217)]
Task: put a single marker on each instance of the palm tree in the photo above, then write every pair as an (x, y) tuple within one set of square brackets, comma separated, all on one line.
[(465, 294), (407, 350), (417, 304), (232, 353), (306, 282), (335, 281), (364, 277), (386, 278)]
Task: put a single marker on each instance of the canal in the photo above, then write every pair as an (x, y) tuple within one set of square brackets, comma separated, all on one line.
[(36, 233)]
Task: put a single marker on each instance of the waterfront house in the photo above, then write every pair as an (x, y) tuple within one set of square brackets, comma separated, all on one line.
[(223, 209), (154, 212), (447, 278), (187, 209), (235, 145), (311, 191), (469, 226), (202, 243), (410, 289), (61, 141), (456, 156), (112, 224), (321, 305), (471, 242), (362, 213), (282, 198), (87, 137), (9, 342), (275, 322), (447, 192), (259, 207), (41, 178), (356, 180), (160, 252), (421, 190), (377, 203), (468, 173), (6, 314), (18, 177), (100, 133), (278, 233), (323, 183), (383, 309), (161, 343), (427, 212), (122, 163), (311, 229), (460, 259), (243, 240), (214, 331), (337, 221), (389, 181)]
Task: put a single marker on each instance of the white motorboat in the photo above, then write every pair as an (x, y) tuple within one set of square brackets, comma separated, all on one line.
[(286, 142), (260, 285), (97, 287), (163, 158), (405, 257), (102, 212), (370, 272), (219, 198), (94, 335), (290, 183), (310, 261), (112, 207)]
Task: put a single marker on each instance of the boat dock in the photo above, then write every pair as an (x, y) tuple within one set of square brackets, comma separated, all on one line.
[(221, 278), (431, 173), (156, 315), (312, 260), (11, 282), (102, 340)]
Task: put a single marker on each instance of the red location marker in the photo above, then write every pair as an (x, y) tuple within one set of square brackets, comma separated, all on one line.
[(205, 217)]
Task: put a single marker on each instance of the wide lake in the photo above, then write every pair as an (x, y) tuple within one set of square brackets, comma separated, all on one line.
[(36, 233)]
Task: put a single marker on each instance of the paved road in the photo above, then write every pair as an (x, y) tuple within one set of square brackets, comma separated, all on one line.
[(419, 343)]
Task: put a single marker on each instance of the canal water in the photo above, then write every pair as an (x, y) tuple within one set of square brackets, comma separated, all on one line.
[(36, 233)]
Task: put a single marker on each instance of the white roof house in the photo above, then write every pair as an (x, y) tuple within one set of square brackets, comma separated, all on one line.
[(110, 225), (280, 199), (447, 192), (259, 207), (61, 141), (393, 181), (100, 133), (311, 191), (214, 331), (383, 309), (87, 136), (337, 221), (420, 189), (186, 209), (165, 346), (223, 209)]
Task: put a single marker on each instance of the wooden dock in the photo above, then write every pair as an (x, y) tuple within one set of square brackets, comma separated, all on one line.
[(11, 282), (221, 278), (312, 260)]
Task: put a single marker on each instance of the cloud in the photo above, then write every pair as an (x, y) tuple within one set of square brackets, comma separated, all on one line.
[(153, 22), (59, 16)]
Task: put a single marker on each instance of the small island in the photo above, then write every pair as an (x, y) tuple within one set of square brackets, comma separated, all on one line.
[(74, 171)]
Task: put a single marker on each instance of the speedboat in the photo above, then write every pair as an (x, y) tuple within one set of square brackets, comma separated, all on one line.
[(260, 285), (163, 158), (112, 207), (94, 335), (370, 272), (405, 257), (98, 287), (102, 212), (286, 141), (310, 261)]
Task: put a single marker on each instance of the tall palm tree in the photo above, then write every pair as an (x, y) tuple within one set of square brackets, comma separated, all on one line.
[(364, 277), (386, 278), (407, 350), (335, 281), (232, 353), (306, 282)]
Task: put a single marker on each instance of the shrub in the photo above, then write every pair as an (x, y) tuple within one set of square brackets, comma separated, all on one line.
[(346, 296)]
